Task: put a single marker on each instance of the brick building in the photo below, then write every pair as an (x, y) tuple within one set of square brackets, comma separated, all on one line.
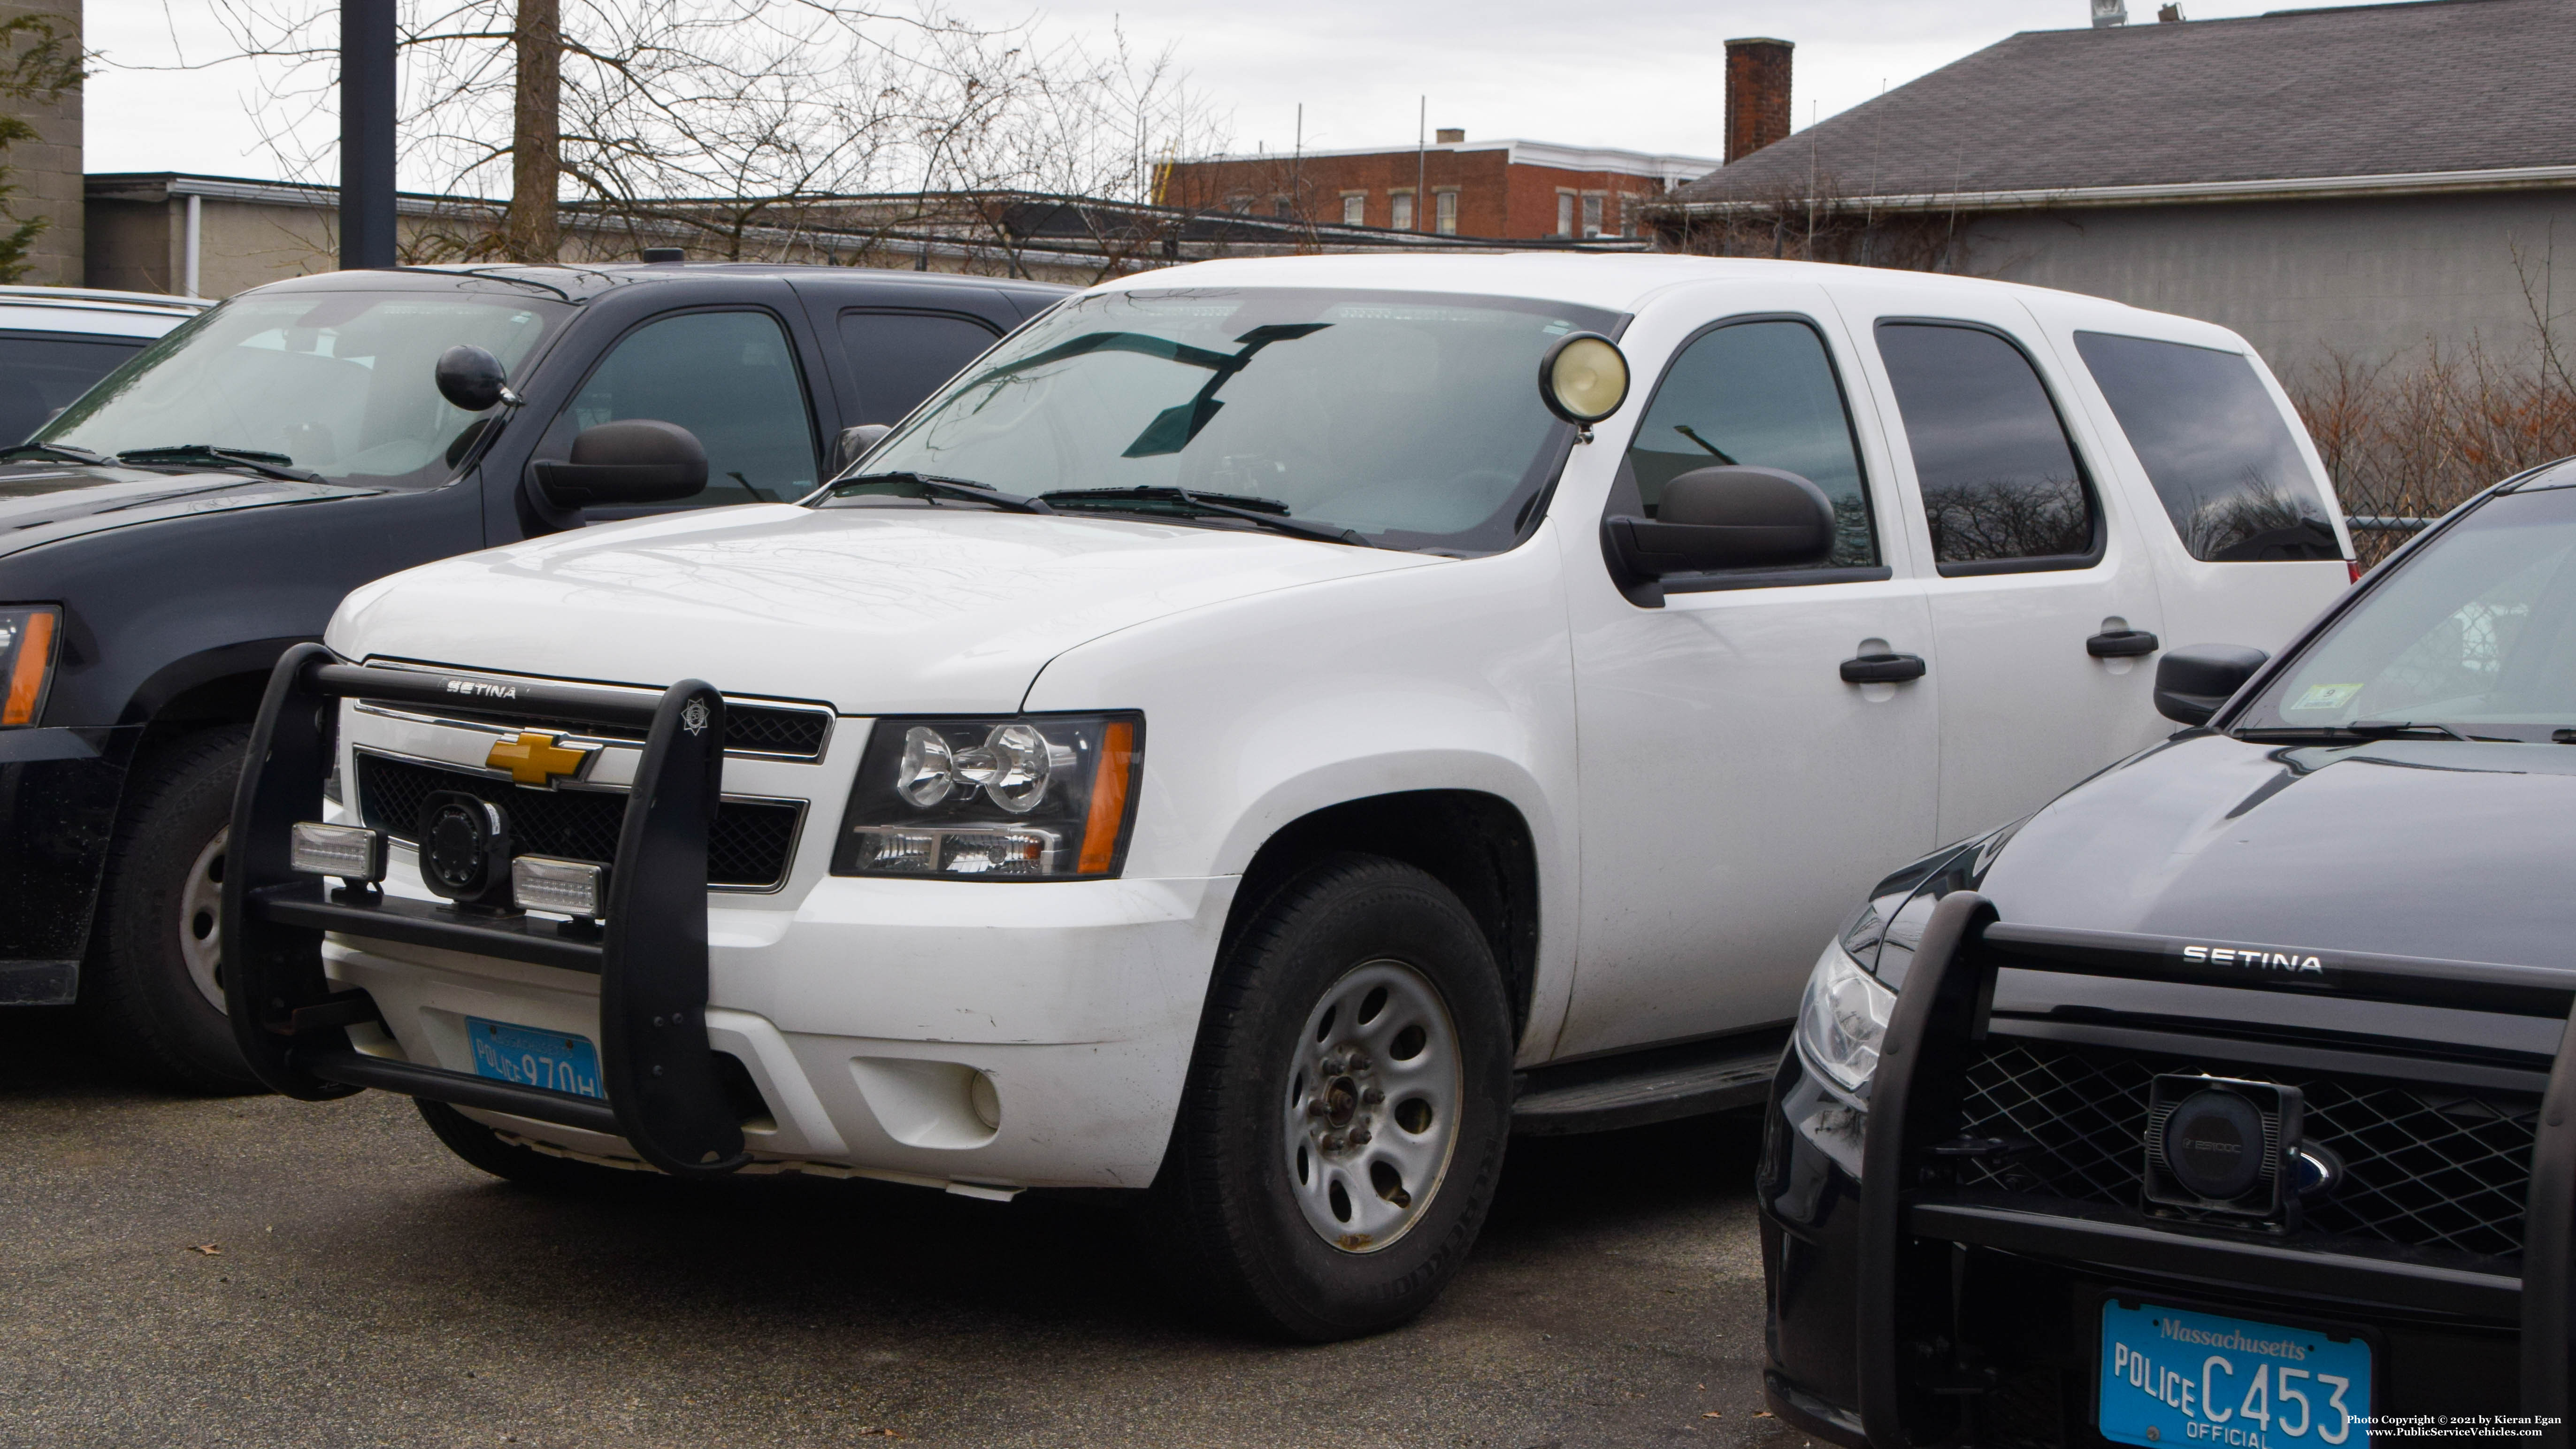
[(1517, 190)]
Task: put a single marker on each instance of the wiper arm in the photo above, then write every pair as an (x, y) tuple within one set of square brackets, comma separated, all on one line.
[(267, 465), (2360, 729), (931, 485), (1211, 503), (56, 450)]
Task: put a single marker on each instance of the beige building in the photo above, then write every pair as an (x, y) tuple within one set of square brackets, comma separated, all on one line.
[(47, 170)]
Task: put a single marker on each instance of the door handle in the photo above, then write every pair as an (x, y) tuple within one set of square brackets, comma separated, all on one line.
[(1883, 668), (2121, 644)]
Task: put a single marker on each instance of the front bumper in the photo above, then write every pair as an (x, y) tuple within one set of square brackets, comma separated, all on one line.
[(59, 790), (953, 1032), (1913, 1302)]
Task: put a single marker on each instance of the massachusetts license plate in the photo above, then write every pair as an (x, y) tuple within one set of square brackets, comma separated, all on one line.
[(2174, 1377), (533, 1058)]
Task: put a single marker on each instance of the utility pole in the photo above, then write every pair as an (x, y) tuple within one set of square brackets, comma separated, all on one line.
[(532, 232), (366, 133), (1421, 161)]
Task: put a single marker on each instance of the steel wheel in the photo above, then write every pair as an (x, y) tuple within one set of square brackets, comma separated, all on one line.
[(1374, 1093), (201, 900)]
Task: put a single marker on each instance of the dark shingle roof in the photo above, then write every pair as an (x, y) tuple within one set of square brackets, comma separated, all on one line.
[(2451, 85)]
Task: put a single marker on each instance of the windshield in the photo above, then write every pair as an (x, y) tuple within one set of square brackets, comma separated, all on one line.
[(2475, 633), (340, 382), (1411, 419)]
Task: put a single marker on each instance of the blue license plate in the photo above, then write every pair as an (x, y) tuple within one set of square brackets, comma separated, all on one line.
[(554, 1060), (2171, 1377)]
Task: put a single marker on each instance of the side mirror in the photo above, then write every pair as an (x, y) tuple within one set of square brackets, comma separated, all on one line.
[(855, 442), (639, 460), (473, 379), (1727, 517), (2192, 683)]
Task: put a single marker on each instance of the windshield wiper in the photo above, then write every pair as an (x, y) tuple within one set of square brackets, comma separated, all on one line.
[(2363, 729), (1269, 513), (932, 485), (267, 465), (56, 450)]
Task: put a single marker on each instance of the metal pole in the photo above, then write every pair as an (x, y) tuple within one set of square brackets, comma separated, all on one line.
[(366, 133), (195, 223), (1421, 160)]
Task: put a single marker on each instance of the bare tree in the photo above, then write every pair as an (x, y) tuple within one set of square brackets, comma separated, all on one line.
[(735, 128)]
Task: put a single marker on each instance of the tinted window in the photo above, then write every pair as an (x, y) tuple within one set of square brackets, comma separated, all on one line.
[(1762, 394), (41, 374), (2214, 445), (2000, 481), (727, 377), (2476, 631), (899, 357)]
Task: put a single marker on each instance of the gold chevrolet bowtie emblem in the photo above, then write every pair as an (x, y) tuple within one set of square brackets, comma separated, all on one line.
[(534, 757)]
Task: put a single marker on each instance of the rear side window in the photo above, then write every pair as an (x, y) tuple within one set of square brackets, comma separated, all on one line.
[(899, 358), (2215, 445), (2002, 489), (40, 375), (1762, 394)]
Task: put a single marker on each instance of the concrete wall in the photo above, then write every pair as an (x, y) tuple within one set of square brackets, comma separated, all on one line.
[(47, 171), (2301, 280)]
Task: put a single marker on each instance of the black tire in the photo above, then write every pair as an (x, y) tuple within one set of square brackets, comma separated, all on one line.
[(482, 1147), (1228, 1213), (136, 982)]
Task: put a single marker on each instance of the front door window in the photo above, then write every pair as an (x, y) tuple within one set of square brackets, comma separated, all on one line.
[(728, 377)]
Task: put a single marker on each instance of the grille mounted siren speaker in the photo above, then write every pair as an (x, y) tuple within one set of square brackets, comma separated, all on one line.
[(465, 850), (2223, 1146)]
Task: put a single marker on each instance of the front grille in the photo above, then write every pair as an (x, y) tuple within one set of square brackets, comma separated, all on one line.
[(2425, 1166), (749, 728), (748, 846)]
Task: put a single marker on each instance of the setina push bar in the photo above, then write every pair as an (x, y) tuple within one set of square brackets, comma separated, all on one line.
[(656, 1068), (1943, 1009)]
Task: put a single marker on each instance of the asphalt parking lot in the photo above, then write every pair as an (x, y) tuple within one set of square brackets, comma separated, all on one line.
[(252, 1271)]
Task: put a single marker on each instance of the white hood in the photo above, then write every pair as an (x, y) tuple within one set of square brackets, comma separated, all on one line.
[(874, 610)]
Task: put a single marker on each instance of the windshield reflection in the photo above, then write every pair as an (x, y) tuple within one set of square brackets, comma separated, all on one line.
[(338, 384), (1412, 419)]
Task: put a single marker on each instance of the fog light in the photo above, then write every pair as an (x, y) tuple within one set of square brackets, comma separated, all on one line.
[(350, 852), (566, 887), (997, 852)]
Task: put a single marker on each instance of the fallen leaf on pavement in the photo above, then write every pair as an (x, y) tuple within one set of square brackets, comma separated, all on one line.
[(209, 1249)]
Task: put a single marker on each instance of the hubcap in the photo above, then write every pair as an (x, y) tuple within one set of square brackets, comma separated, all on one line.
[(201, 901), (1374, 1085)]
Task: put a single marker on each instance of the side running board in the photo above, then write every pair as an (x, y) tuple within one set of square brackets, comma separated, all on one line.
[(1634, 1089)]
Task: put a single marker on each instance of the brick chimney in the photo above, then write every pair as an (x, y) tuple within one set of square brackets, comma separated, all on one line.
[(1757, 94)]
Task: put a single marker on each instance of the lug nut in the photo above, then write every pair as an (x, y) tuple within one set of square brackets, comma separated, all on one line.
[(1371, 1096), (1359, 1136), (1359, 1062), (1332, 1142), (1315, 1107), (1330, 1066)]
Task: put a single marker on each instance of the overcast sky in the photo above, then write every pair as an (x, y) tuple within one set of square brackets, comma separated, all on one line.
[(1640, 74)]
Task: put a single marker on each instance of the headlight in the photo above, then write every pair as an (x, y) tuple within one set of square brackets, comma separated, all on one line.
[(1033, 797), (27, 636), (1843, 1019)]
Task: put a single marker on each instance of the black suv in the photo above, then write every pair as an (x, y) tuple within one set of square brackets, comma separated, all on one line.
[(168, 536), (2226, 1100)]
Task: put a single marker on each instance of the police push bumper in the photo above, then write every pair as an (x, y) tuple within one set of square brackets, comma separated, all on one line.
[(2183, 1357), (638, 922)]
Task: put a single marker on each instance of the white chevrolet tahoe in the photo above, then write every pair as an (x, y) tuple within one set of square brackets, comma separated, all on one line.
[(1265, 732)]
